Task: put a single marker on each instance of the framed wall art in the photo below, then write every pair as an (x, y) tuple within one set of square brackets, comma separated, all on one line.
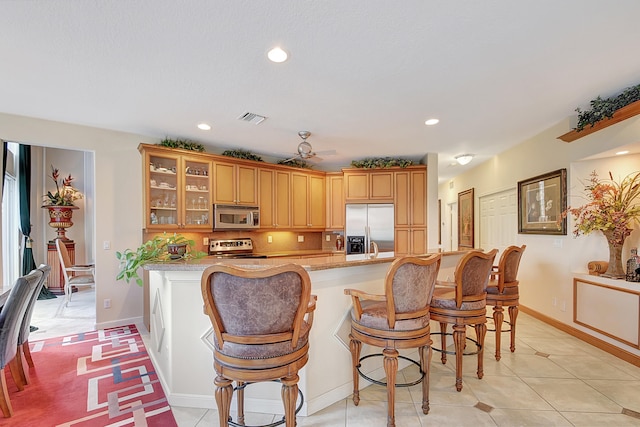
[(541, 201), (465, 219)]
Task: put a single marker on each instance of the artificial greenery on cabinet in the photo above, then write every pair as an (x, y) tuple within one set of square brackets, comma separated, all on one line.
[(381, 162), (182, 143), (296, 163), (242, 154)]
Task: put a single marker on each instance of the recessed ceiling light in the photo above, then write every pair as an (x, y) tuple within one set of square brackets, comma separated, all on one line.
[(431, 122), (463, 159), (277, 55), (620, 153), (204, 126)]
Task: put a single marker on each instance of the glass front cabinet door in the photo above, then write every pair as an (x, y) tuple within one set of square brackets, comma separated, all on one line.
[(177, 192)]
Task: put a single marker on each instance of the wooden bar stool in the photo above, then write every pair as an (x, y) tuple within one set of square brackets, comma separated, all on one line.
[(399, 319)]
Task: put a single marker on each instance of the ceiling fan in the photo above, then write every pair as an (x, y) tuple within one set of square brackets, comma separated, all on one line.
[(305, 150)]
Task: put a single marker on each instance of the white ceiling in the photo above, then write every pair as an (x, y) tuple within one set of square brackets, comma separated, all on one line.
[(362, 77)]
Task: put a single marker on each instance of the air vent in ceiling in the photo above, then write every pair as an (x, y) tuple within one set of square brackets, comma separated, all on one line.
[(252, 118)]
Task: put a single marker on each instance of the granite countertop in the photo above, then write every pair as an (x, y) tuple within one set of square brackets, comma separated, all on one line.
[(316, 260)]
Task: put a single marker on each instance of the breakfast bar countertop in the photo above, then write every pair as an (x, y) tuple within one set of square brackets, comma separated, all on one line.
[(310, 260)]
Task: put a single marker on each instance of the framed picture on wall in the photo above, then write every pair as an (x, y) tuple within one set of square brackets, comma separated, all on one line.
[(465, 219), (541, 201)]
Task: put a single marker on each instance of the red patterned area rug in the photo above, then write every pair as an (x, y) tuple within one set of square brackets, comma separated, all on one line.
[(99, 378)]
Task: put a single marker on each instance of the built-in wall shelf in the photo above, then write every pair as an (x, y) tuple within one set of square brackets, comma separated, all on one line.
[(623, 113)]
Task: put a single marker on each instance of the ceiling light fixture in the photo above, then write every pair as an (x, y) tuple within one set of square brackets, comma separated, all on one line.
[(620, 153), (463, 159), (204, 126), (277, 55), (432, 122)]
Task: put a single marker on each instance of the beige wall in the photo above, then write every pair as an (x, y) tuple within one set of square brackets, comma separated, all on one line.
[(118, 201), (549, 262)]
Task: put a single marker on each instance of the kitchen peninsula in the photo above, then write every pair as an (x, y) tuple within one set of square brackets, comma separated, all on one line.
[(181, 334)]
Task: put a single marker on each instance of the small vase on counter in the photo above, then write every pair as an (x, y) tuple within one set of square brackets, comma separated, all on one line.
[(339, 242), (632, 267)]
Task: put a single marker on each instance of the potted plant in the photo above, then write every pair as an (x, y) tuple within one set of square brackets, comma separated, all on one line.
[(159, 249), (612, 208), (61, 203)]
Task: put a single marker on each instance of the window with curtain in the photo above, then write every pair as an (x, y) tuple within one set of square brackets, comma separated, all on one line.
[(10, 219)]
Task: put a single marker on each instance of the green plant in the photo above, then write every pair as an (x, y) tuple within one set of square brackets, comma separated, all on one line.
[(152, 251), (182, 143), (604, 108), (381, 162), (242, 154), (65, 194), (296, 163)]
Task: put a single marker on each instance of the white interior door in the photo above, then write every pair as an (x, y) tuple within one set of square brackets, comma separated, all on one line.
[(498, 220)]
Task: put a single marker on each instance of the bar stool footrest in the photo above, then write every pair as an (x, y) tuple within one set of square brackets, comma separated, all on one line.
[(418, 381), (274, 424), (478, 346)]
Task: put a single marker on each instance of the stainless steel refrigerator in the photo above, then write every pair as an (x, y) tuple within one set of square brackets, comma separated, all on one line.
[(374, 222)]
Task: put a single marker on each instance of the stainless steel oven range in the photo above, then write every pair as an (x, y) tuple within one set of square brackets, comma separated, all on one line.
[(240, 247)]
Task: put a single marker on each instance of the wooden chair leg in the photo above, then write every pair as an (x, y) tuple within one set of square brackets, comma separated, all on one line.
[(459, 337), (289, 397), (224, 393), (27, 353), (15, 373), (425, 364), (355, 347), (481, 331), (240, 401), (513, 315), (498, 317), (391, 369), (5, 402), (443, 342), (24, 373)]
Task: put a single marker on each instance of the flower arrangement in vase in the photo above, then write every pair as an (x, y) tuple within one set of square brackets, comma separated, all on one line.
[(61, 203), (612, 208)]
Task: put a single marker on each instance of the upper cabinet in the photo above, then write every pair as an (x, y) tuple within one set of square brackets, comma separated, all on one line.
[(274, 188), (368, 186), (177, 191), (335, 201), (235, 184), (308, 200)]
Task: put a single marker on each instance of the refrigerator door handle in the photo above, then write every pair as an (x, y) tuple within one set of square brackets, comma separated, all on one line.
[(375, 250)]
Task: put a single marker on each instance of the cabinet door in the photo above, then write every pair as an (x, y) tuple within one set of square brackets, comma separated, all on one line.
[(418, 198), (410, 241), (402, 241), (283, 199), (247, 185), (224, 183), (300, 200), (356, 186), (196, 209), (267, 198), (402, 200), (317, 217), (335, 202), (418, 241), (162, 195), (381, 186)]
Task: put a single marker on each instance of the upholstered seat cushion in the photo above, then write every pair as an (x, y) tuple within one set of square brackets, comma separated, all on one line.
[(492, 289), (445, 297), (263, 351), (81, 279), (374, 315)]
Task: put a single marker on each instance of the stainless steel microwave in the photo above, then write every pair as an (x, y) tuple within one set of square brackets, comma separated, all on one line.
[(233, 217)]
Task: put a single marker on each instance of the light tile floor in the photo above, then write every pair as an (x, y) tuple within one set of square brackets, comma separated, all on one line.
[(553, 379)]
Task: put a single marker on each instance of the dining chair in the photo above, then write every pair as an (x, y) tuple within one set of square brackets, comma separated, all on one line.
[(261, 320), (11, 318), (74, 275), (502, 291), (24, 352), (396, 320), (463, 303)]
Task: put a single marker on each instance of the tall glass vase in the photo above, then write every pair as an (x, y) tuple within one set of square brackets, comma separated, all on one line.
[(615, 269)]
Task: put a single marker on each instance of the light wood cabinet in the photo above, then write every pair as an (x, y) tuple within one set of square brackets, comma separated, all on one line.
[(366, 186), (177, 191), (410, 210), (335, 201), (307, 200), (235, 184), (274, 198)]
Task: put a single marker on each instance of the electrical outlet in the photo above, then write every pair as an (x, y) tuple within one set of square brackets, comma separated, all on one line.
[(328, 238), (205, 241), (106, 245), (300, 238), (564, 306), (107, 303), (269, 239), (554, 301)]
